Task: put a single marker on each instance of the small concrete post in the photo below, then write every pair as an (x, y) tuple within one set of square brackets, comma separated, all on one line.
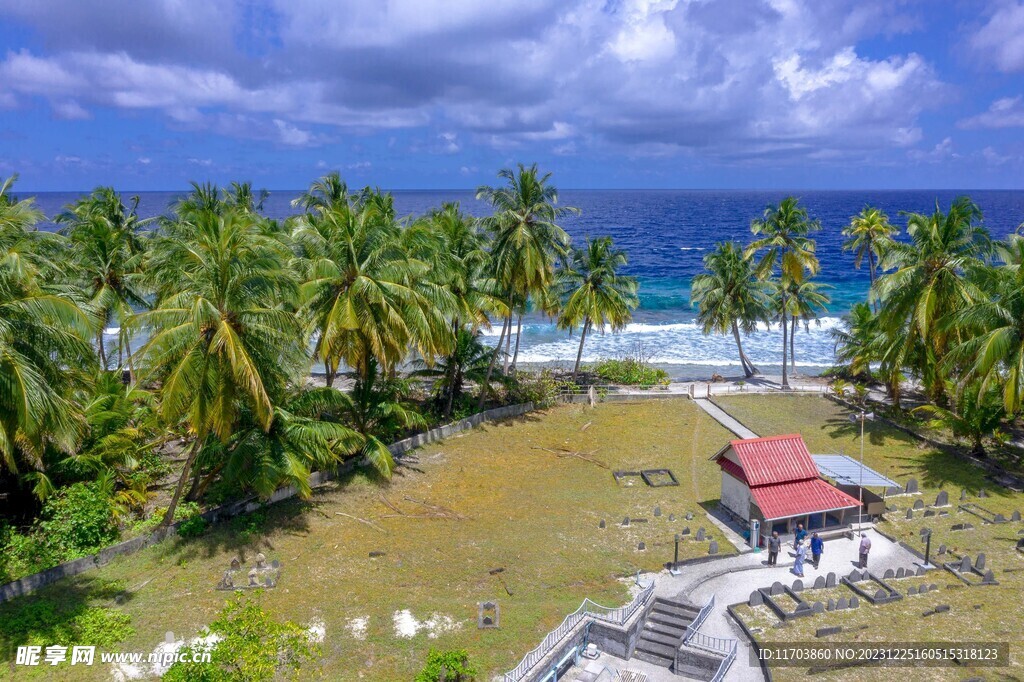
[(675, 559)]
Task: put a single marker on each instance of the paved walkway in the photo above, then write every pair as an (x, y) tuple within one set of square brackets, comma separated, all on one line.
[(723, 418)]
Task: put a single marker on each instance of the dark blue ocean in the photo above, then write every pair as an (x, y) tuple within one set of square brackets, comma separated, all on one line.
[(666, 234)]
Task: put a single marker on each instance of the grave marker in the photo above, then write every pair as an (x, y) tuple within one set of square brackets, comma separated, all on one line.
[(979, 563), (928, 514), (640, 546), (999, 518), (843, 603), (818, 607), (963, 495), (1015, 516), (910, 514), (756, 598), (798, 585), (819, 582), (830, 579), (942, 499), (965, 564), (831, 604), (657, 511), (831, 630), (700, 534), (880, 595), (888, 575), (911, 591), (989, 578), (713, 547), (776, 589), (602, 524), (854, 602), (912, 485), (625, 522), (918, 504)]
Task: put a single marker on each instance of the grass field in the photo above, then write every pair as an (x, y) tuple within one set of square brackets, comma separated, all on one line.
[(986, 613), (513, 504)]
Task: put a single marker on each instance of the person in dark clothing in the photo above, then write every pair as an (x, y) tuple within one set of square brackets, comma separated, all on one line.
[(774, 545), (817, 546), (799, 536)]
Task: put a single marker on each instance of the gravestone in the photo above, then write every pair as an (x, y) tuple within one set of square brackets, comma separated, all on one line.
[(602, 524), (888, 575), (910, 514), (880, 595), (999, 518), (963, 495), (854, 576), (968, 526), (921, 590), (685, 531), (802, 607), (776, 589), (235, 564), (894, 490), (928, 514), (831, 604), (700, 534), (942, 550), (1015, 516), (657, 511), (942, 608), (965, 564), (798, 585), (979, 563), (912, 485), (671, 518), (689, 516), (818, 607), (625, 522), (942, 499), (1020, 544), (713, 547), (854, 602), (911, 591), (819, 582), (900, 572), (831, 630), (918, 504), (920, 571), (843, 603), (933, 587), (488, 615), (982, 493), (376, 554), (943, 514), (830, 579), (756, 598), (989, 577), (640, 546)]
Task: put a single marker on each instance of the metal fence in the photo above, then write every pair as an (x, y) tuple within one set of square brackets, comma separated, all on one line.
[(587, 610), (724, 646), (693, 627)]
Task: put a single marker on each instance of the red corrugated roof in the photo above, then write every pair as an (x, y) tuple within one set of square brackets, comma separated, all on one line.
[(730, 467), (782, 500), (776, 459)]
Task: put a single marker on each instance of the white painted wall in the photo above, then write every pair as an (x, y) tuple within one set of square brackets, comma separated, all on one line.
[(735, 496)]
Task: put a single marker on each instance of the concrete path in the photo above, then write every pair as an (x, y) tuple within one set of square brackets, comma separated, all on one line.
[(723, 418)]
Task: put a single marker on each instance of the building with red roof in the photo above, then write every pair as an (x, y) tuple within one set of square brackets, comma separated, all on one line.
[(775, 481)]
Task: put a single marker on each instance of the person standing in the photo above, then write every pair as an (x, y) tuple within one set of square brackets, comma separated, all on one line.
[(865, 547), (774, 545), (798, 565), (800, 535), (817, 546)]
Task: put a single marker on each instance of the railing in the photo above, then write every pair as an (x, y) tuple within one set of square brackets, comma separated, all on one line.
[(693, 627), (588, 609), (723, 667)]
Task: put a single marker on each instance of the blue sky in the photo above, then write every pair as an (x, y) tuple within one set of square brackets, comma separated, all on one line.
[(442, 93)]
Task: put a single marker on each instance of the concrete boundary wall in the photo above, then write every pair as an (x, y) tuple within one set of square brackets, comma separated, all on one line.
[(30, 583)]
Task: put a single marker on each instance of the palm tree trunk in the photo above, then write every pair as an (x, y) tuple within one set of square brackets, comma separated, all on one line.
[(579, 353), (490, 367), (785, 344), (169, 514), (519, 332), (131, 360), (102, 350), (792, 345), (330, 371), (871, 274), (748, 368), (508, 346)]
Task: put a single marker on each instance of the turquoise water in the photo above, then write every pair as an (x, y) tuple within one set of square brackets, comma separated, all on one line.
[(666, 234)]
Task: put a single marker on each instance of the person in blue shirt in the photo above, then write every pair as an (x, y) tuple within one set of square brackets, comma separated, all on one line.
[(801, 554), (800, 535), (817, 546)]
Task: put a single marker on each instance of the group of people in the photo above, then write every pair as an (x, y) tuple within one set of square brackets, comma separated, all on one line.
[(816, 546)]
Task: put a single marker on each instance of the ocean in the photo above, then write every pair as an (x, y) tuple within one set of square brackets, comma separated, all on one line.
[(666, 234)]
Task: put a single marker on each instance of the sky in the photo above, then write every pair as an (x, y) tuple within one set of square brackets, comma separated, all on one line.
[(403, 94)]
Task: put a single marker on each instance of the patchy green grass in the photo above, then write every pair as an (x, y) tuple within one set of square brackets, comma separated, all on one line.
[(513, 503), (984, 613)]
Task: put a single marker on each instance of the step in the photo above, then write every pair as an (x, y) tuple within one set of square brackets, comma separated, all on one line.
[(668, 620), (662, 629), (656, 659), (675, 610), (659, 638)]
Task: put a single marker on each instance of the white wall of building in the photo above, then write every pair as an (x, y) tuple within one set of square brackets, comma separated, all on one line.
[(735, 496)]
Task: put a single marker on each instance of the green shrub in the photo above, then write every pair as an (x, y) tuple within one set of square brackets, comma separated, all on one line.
[(77, 520), (249, 527), (630, 372), (44, 621), (540, 389), (455, 663), (192, 528), (254, 646)]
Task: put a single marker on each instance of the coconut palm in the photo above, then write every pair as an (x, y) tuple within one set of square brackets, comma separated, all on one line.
[(221, 346), (785, 242), (467, 361), (526, 239), (869, 235), (363, 296), (975, 415), (731, 297), (43, 343), (106, 256), (930, 280), (329, 192), (594, 292), (856, 341), (806, 300)]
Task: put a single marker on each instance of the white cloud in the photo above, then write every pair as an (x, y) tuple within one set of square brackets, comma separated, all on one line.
[(1001, 40), (145, 160), (201, 162), (291, 135), (940, 152), (1007, 112), (70, 111)]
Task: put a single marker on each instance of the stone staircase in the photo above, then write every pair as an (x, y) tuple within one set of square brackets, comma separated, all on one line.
[(663, 632)]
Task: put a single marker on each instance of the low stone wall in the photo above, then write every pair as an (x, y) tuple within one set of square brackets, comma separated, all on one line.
[(696, 665), (31, 583)]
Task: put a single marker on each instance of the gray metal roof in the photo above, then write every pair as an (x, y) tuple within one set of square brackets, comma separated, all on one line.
[(848, 471)]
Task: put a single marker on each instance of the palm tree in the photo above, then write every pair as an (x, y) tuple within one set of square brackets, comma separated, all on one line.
[(856, 341), (869, 234), (785, 242), (106, 254), (43, 343), (731, 296), (327, 193), (594, 292), (930, 280), (993, 327), (467, 361), (806, 300), (526, 239), (363, 296), (221, 346), (976, 414)]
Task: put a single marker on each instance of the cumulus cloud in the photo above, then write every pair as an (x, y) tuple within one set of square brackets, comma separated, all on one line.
[(1007, 112), (1000, 40), (745, 79)]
